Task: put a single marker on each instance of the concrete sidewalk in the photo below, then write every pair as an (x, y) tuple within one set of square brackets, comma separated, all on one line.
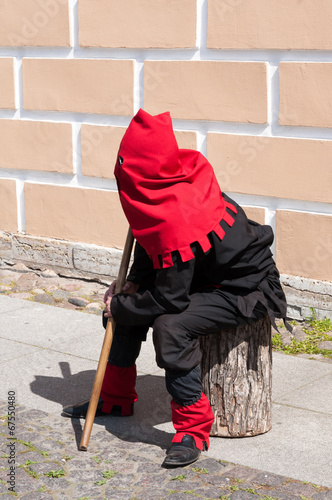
[(48, 356)]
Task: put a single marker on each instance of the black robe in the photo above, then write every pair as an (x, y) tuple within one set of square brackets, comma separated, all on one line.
[(241, 264)]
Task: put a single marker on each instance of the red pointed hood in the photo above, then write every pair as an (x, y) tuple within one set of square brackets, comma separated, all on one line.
[(170, 196)]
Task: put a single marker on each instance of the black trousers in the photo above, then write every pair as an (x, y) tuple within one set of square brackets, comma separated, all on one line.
[(176, 340)]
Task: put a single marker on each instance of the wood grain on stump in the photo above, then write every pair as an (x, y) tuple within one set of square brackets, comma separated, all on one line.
[(237, 379)]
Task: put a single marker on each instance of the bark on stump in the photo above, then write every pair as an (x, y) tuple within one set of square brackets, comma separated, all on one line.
[(237, 379)]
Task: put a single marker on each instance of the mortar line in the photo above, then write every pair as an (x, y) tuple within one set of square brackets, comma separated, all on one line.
[(222, 127), (138, 85), (20, 196), (274, 56), (73, 27), (86, 182)]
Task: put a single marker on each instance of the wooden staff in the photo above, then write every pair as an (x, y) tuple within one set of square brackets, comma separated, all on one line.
[(108, 339)]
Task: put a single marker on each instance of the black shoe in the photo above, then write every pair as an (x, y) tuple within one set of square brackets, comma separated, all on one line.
[(183, 453), (81, 409)]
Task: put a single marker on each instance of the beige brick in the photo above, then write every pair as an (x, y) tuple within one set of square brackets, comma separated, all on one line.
[(34, 23), (83, 85), (305, 94), (74, 214), (256, 214), (30, 145), (304, 244), (267, 24), (186, 139), (207, 90), (137, 23), (272, 166), (8, 205), (99, 146), (7, 87)]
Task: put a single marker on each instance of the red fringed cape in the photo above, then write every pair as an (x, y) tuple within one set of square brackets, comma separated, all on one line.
[(170, 196)]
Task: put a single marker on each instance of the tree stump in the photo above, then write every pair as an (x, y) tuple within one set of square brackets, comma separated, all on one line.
[(237, 379)]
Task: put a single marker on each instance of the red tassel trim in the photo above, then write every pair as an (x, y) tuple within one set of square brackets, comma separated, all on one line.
[(219, 231), (205, 244), (155, 260), (167, 260), (231, 207), (186, 252), (228, 219)]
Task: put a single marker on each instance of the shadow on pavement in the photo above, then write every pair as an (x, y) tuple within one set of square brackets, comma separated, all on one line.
[(151, 410)]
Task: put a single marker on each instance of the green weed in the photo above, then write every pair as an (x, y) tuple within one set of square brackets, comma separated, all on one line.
[(316, 330), (180, 477), (55, 473), (199, 471), (249, 490), (233, 488), (108, 474), (32, 447), (31, 472), (101, 482), (29, 462)]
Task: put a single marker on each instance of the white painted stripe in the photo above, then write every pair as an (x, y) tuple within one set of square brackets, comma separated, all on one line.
[(20, 206), (73, 26)]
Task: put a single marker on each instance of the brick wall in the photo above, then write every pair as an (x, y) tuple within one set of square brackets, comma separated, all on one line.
[(247, 82)]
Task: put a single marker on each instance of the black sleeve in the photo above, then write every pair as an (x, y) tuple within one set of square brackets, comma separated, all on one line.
[(141, 271), (169, 295)]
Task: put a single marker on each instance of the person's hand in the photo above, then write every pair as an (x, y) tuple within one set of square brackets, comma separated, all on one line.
[(129, 287)]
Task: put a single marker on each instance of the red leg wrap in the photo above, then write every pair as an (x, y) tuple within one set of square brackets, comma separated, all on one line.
[(119, 388), (195, 420)]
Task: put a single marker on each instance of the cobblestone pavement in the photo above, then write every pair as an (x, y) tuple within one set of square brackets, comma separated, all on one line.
[(49, 466), (48, 288), (44, 447)]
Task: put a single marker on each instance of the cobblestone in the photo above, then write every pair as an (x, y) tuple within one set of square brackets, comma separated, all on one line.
[(326, 344), (21, 295), (269, 479), (48, 288), (44, 298), (323, 495), (48, 273), (137, 472), (77, 301), (298, 333)]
